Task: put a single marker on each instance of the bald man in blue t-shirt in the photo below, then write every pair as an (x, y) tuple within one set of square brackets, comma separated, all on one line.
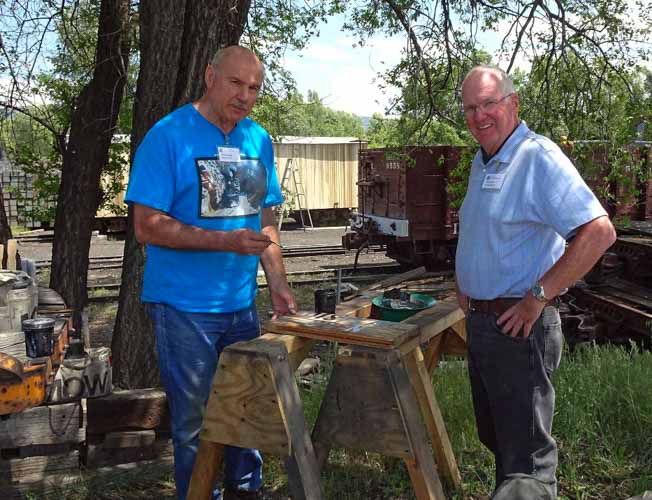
[(202, 186)]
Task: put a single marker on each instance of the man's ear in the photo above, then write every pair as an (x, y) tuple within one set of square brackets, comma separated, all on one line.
[(209, 75), (517, 102)]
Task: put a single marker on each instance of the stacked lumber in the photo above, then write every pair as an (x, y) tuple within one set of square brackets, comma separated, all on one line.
[(127, 426)]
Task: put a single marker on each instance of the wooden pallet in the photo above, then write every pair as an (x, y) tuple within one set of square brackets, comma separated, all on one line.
[(347, 330)]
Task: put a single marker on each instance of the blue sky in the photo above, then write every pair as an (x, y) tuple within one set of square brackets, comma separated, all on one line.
[(343, 73)]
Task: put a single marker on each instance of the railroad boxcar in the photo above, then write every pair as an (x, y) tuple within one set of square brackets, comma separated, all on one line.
[(408, 199), (406, 203)]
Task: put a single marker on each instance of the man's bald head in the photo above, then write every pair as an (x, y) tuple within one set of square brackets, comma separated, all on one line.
[(233, 80), (234, 52)]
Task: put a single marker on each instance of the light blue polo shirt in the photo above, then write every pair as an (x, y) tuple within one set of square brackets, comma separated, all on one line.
[(518, 211)]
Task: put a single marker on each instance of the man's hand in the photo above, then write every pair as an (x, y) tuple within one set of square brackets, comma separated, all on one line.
[(521, 316), (463, 301), (246, 242), (282, 299)]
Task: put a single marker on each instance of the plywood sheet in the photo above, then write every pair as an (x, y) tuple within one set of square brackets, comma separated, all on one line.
[(243, 408), (359, 410)]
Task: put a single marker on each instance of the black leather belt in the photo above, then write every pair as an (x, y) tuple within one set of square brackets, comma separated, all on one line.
[(495, 306)]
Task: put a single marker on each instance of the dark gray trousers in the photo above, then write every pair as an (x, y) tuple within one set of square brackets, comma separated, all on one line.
[(514, 401)]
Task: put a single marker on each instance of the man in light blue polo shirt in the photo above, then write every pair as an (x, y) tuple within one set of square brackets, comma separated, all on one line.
[(525, 199)]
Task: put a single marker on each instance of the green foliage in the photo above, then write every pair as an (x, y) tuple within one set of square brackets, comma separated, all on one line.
[(603, 418), (576, 107), (44, 169), (36, 138), (458, 179), (615, 171), (602, 421), (395, 132), (28, 144), (296, 116), (114, 177)]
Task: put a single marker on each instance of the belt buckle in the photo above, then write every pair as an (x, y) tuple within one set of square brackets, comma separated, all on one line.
[(471, 307)]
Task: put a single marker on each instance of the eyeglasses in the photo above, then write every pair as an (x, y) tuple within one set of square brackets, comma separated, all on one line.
[(485, 107)]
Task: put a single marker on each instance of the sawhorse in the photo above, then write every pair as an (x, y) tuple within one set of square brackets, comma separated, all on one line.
[(255, 403)]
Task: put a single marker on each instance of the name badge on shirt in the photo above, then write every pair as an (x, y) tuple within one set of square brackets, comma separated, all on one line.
[(228, 154), (493, 182)]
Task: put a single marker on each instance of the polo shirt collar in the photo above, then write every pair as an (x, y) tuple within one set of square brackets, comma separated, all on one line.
[(504, 155)]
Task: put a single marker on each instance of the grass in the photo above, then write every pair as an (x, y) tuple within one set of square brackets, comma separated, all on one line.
[(602, 425)]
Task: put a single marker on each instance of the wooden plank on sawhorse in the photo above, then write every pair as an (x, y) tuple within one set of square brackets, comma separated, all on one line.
[(441, 330), (255, 403), (347, 330)]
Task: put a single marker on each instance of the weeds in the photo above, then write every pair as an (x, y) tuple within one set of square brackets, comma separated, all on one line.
[(602, 425)]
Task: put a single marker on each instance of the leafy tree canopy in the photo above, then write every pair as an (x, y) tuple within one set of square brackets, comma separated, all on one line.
[(600, 41), (305, 117)]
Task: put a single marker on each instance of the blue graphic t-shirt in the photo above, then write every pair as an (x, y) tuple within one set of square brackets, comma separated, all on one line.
[(177, 169)]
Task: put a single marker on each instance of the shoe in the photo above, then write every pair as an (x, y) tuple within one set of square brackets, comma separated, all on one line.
[(234, 494)]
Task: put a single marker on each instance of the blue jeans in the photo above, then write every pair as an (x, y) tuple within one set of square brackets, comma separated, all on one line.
[(514, 400), (188, 346)]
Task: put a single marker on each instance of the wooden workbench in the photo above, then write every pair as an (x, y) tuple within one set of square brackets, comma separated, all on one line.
[(377, 390)]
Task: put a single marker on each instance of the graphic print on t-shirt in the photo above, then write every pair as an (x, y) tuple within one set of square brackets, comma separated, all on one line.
[(230, 189)]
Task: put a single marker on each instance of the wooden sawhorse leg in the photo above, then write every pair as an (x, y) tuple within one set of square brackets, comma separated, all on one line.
[(370, 404), (432, 417), (207, 469), (255, 403)]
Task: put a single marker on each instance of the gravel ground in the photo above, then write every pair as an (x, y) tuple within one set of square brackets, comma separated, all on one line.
[(102, 316), (103, 247)]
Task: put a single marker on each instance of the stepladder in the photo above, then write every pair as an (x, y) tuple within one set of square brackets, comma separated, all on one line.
[(294, 192)]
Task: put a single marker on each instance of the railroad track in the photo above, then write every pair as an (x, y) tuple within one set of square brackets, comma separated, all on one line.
[(115, 261), (365, 273)]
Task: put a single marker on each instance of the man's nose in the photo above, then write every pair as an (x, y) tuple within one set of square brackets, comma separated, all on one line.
[(479, 112), (243, 93)]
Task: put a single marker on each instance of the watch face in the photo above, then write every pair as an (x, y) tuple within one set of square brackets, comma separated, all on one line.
[(539, 294)]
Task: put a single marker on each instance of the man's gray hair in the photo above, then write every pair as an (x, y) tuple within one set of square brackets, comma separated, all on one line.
[(504, 80)]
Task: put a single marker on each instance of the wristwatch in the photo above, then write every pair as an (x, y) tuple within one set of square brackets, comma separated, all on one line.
[(538, 292)]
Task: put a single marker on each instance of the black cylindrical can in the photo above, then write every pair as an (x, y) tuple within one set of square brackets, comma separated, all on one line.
[(325, 301), (39, 336)]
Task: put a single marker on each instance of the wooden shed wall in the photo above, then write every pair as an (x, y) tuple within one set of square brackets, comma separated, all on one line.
[(329, 172)]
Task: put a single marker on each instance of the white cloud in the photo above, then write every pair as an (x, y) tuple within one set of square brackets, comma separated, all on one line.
[(344, 74)]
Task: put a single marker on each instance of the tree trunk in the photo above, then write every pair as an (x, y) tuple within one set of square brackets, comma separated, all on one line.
[(5, 229), (91, 130), (177, 40)]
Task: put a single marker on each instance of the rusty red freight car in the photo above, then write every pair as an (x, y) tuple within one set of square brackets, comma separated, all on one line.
[(405, 202), (408, 199)]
